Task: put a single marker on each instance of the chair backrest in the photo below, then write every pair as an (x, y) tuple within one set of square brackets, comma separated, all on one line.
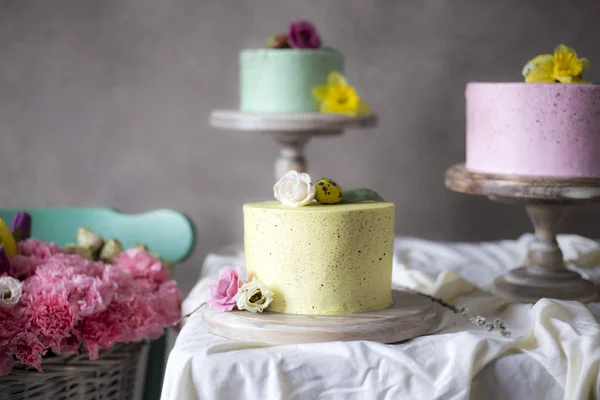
[(167, 233)]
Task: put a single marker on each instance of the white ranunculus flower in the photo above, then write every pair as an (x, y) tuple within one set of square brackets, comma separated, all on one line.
[(254, 296), (11, 290), (295, 189)]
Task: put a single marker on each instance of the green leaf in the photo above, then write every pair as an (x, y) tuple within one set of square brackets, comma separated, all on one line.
[(359, 195)]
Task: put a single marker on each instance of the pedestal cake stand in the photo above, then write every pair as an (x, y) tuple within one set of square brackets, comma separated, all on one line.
[(410, 316), (546, 200), (291, 131)]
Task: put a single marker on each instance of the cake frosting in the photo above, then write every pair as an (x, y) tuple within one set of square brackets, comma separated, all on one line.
[(281, 80), (322, 258), (528, 129)]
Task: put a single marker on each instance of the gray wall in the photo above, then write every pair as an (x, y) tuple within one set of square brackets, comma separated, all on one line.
[(106, 103)]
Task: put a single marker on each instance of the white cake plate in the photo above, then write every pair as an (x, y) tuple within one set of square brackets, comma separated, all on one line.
[(410, 316), (291, 131)]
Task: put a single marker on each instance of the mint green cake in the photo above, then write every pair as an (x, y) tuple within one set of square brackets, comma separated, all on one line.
[(280, 79)]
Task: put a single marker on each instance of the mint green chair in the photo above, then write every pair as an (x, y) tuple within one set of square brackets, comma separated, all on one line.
[(167, 233)]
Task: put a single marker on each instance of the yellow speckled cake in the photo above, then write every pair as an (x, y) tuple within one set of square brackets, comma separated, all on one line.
[(321, 258)]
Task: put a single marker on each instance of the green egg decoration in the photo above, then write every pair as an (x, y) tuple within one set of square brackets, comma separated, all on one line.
[(328, 192)]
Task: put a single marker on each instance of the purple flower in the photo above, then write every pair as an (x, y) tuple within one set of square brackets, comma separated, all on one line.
[(21, 226), (4, 263), (304, 35)]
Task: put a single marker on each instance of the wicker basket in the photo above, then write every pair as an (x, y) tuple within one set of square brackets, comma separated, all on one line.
[(111, 377)]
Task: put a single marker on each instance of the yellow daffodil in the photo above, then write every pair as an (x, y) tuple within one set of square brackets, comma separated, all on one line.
[(563, 66), (339, 97)]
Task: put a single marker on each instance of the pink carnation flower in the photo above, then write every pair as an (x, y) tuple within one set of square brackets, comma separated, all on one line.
[(51, 317), (68, 345), (28, 348), (68, 300), (11, 323), (32, 253), (224, 292), (142, 264)]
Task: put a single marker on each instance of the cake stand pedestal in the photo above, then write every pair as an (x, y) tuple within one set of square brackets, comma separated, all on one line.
[(410, 316), (546, 200), (291, 131)]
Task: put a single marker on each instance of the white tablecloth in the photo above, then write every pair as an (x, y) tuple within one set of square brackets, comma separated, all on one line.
[(554, 351)]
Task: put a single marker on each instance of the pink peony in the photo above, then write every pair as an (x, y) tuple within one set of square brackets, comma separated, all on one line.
[(224, 292), (142, 264), (303, 35), (28, 348)]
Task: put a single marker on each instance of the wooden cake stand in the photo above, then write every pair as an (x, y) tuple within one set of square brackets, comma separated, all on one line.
[(410, 316), (546, 200), (291, 131)]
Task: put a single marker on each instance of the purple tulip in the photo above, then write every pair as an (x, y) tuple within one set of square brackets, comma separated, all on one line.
[(4, 263), (303, 35), (21, 226)]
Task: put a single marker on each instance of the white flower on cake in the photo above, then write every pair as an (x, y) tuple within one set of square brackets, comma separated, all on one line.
[(294, 189), (254, 296), (11, 290)]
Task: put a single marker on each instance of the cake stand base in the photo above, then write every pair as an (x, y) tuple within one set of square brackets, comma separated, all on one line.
[(546, 200), (410, 316), (522, 286)]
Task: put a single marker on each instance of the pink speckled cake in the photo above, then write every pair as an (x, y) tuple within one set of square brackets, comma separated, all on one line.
[(547, 129)]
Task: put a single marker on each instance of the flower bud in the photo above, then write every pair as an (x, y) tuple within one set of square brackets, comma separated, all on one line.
[(88, 238), (111, 249)]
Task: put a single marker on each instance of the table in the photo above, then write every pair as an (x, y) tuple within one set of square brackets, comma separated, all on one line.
[(553, 353)]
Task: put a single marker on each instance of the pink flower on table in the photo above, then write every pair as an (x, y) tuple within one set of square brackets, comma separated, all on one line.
[(224, 292), (28, 348), (303, 35), (142, 264)]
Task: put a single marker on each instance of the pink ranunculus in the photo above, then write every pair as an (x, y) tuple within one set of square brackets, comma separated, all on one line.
[(142, 264), (224, 292), (27, 347), (303, 35)]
